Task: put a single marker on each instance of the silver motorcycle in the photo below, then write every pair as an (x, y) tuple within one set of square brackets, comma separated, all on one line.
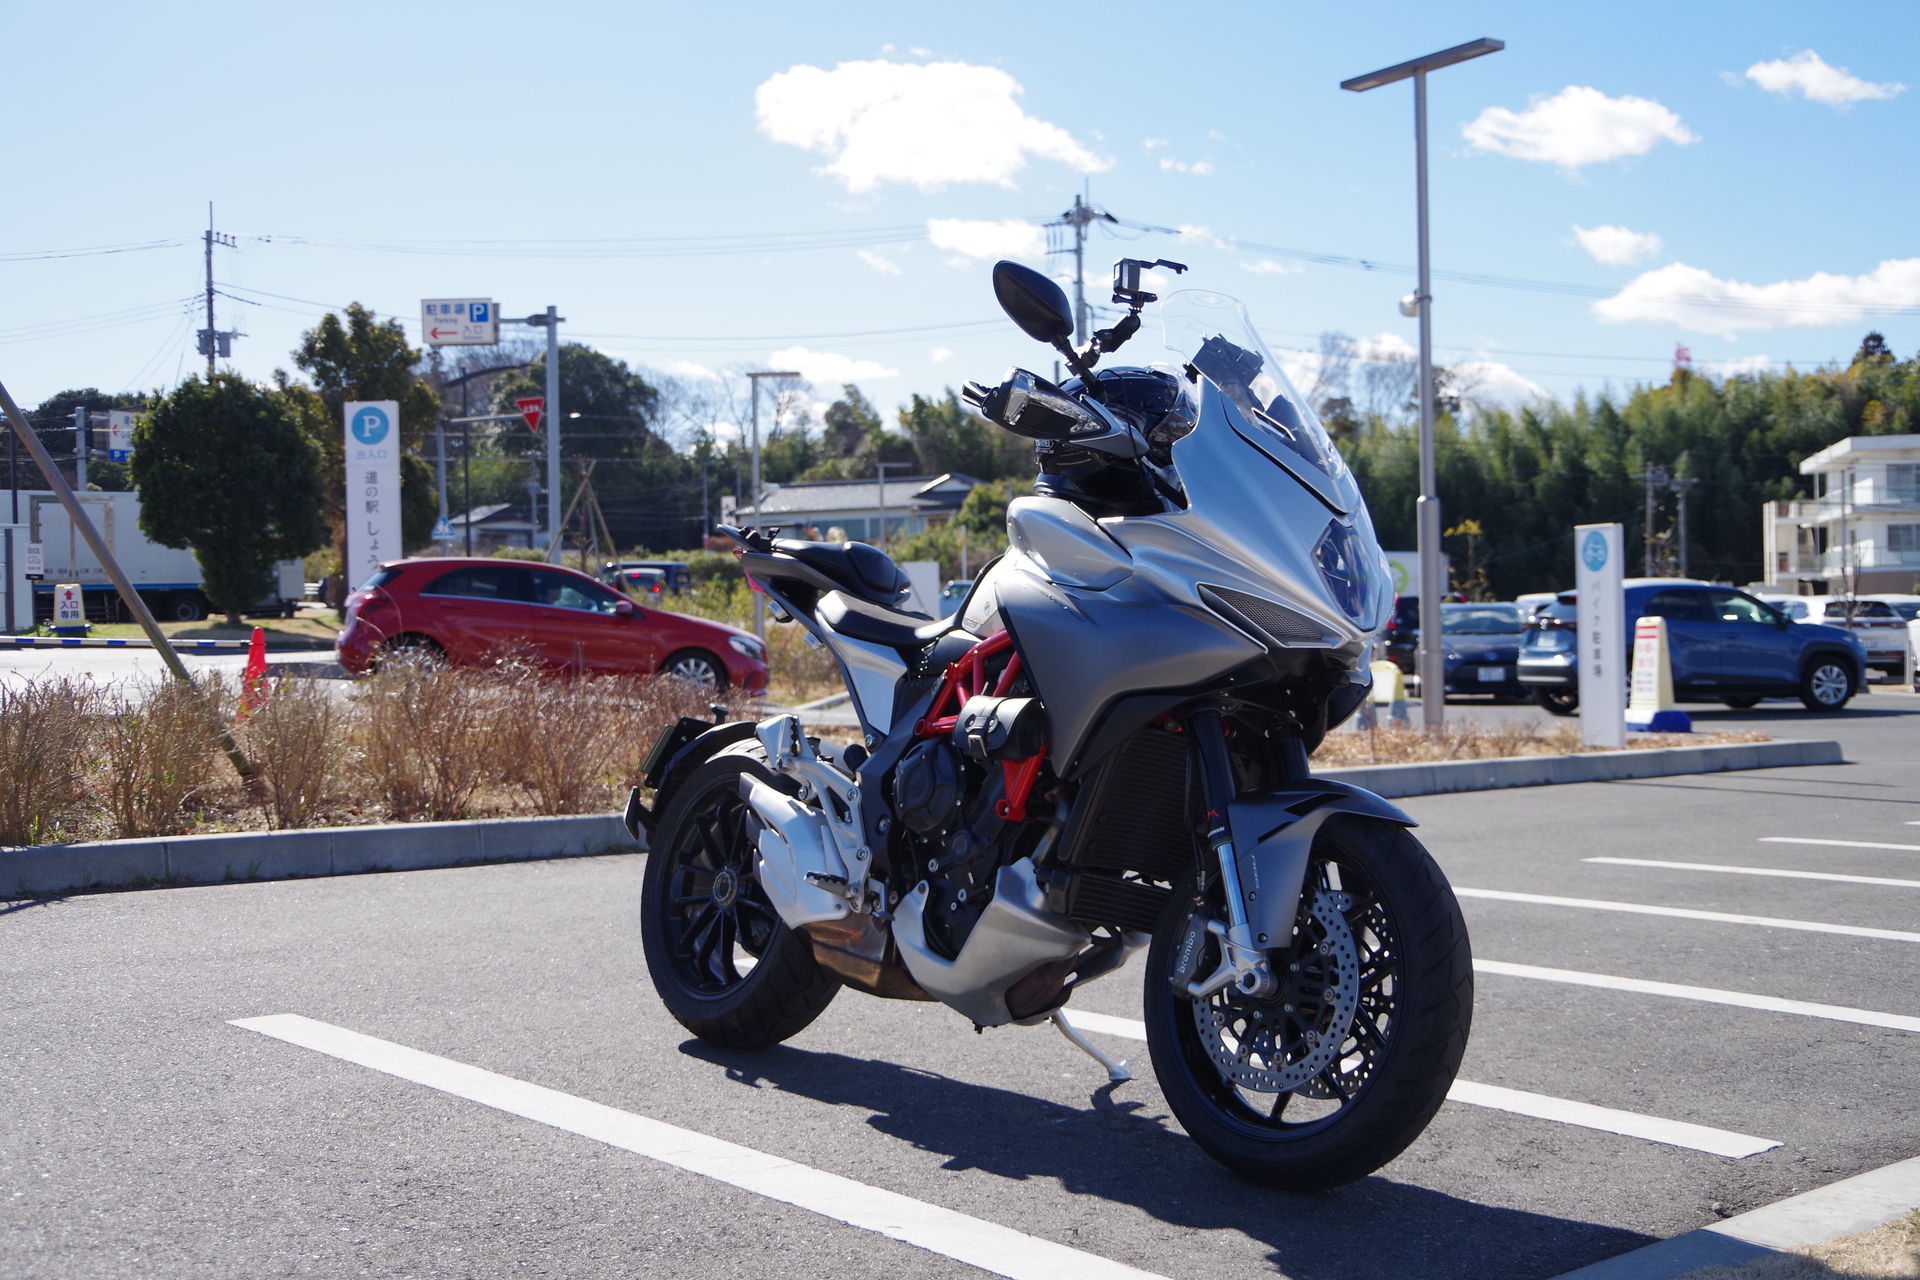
[(1105, 749)]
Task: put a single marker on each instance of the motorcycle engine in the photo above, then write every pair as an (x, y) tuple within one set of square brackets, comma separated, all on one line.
[(946, 794)]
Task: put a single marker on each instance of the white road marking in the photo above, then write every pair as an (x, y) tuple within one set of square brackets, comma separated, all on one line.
[(1710, 995), (974, 1241), (1684, 913), (1841, 844), (1757, 871), (1676, 1133)]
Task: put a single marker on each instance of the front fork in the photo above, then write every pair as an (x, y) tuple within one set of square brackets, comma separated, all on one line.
[(1243, 964)]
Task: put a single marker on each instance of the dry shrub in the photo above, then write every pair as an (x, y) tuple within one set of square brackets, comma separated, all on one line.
[(159, 751), (293, 742), (43, 757), (1477, 740), (797, 671), (428, 740)]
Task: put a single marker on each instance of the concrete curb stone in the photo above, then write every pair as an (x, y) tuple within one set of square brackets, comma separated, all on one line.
[(411, 846)]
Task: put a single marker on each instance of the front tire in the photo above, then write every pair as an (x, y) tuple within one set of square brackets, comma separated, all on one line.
[(697, 668), (1826, 684), (1333, 1075), (726, 966), (1561, 702)]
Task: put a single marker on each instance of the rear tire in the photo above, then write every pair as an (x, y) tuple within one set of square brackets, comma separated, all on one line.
[(1381, 971), (187, 606), (417, 652), (1561, 702), (1826, 684), (1742, 702), (726, 966)]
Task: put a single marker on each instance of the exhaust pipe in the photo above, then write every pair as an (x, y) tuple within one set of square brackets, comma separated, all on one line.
[(798, 865)]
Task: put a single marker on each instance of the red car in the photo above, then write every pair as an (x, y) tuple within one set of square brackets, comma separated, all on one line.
[(467, 611)]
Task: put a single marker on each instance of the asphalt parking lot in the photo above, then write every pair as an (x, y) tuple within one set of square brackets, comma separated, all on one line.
[(1695, 997)]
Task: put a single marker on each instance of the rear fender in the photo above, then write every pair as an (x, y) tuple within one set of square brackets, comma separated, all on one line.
[(1273, 833), (679, 749)]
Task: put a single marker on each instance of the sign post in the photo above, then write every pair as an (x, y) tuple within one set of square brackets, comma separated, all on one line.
[(459, 322), (1601, 607), (373, 486)]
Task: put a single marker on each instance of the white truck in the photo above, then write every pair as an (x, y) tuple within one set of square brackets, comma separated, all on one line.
[(168, 579)]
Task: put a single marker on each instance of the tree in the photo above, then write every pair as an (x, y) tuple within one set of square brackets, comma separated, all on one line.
[(364, 358), (56, 411), (224, 467), (948, 437)]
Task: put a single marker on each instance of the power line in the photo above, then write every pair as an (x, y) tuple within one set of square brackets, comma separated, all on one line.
[(43, 255)]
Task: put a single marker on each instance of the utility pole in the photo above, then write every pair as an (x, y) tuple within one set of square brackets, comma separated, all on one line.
[(1077, 219), (1681, 486), (1656, 477), (212, 341)]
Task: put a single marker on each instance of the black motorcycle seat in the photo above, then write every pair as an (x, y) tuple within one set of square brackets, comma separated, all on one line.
[(900, 629), (858, 569)]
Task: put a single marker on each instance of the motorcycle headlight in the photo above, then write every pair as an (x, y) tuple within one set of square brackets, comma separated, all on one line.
[(748, 648), (1353, 572)]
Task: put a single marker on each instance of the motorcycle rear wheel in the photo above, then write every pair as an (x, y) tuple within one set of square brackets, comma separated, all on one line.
[(1379, 959), (726, 966)]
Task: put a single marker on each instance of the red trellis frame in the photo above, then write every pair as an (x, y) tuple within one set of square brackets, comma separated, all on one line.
[(967, 677)]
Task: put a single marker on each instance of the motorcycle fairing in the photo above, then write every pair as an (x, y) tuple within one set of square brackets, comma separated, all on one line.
[(1273, 833)]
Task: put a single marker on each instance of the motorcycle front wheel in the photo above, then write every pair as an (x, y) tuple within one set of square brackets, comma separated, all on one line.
[(1345, 1063), (725, 964)]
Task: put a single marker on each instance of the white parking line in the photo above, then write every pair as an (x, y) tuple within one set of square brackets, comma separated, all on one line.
[(1757, 871), (1711, 995), (1841, 844), (1684, 913), (974, 1241), (1676, 1133)]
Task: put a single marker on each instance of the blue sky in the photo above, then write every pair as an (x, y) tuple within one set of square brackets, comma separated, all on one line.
[(1735, 178)]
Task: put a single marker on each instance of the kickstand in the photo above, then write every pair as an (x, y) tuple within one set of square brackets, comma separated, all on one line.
[(1116, 1071)]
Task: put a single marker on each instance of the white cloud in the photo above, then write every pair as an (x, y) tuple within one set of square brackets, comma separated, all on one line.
[(1268, 267), (1204, 235), (825, 369), (1736, 367), (1807, 73), (925, 124), (1198, 168), (1689, 297), (981, 239), (1385, 346), (940, 355), (1154, 144), (688, 369), (879, 262), (1577, 126), (1488, 382), (1617, 246)]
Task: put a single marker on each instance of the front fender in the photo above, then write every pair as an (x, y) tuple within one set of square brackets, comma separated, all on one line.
[(1273, 833), (679, 749)]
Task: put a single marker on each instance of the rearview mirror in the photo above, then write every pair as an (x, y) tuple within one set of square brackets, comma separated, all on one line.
[(624, 608), (1032, 301)]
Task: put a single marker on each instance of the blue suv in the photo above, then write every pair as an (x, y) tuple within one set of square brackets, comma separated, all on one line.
[(1725, 646)]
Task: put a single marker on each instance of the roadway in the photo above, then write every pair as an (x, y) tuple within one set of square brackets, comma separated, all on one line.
[(1694, 998)]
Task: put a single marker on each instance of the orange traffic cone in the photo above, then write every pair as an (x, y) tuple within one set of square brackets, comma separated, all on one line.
[(253, 684)]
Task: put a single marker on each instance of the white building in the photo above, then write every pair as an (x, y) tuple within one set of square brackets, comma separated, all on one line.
[(1860, 532)]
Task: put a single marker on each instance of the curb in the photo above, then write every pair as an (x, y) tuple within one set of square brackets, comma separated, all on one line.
[(1860, 1203), (411, 846), (1393, 781), (324, 851)]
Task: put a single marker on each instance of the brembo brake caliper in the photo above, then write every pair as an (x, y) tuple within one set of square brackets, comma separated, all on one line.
[(834, 794)]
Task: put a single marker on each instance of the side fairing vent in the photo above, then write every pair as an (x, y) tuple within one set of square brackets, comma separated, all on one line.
[(1278, 623)]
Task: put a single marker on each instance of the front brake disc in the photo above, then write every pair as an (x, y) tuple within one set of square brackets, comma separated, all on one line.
[(1282, 1044)]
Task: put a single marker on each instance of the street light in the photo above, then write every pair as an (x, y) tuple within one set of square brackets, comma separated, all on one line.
[(760, 604), (1431, 663)]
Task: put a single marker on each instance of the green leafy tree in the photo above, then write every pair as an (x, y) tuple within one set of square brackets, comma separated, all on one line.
[(57, 411), (949, 437), (360, 357), (223, 467)]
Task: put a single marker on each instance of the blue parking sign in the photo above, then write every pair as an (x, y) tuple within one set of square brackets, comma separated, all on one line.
[(478, 312)]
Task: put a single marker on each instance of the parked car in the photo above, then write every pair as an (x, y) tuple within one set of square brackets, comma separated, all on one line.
[(473, 611), (1908, 607), (1725, 646), (1483, 648), (675, 576), (954, 594), (1403, 631), (1878, 624), (645, 585)]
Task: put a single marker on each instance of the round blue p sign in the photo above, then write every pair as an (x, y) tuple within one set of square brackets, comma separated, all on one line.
[(371, 425)]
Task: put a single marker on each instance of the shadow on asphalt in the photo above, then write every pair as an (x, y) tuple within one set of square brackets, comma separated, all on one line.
[(1127, 1152)]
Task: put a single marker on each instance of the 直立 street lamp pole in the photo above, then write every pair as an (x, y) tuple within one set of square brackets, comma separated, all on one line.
[(1431, 663)]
